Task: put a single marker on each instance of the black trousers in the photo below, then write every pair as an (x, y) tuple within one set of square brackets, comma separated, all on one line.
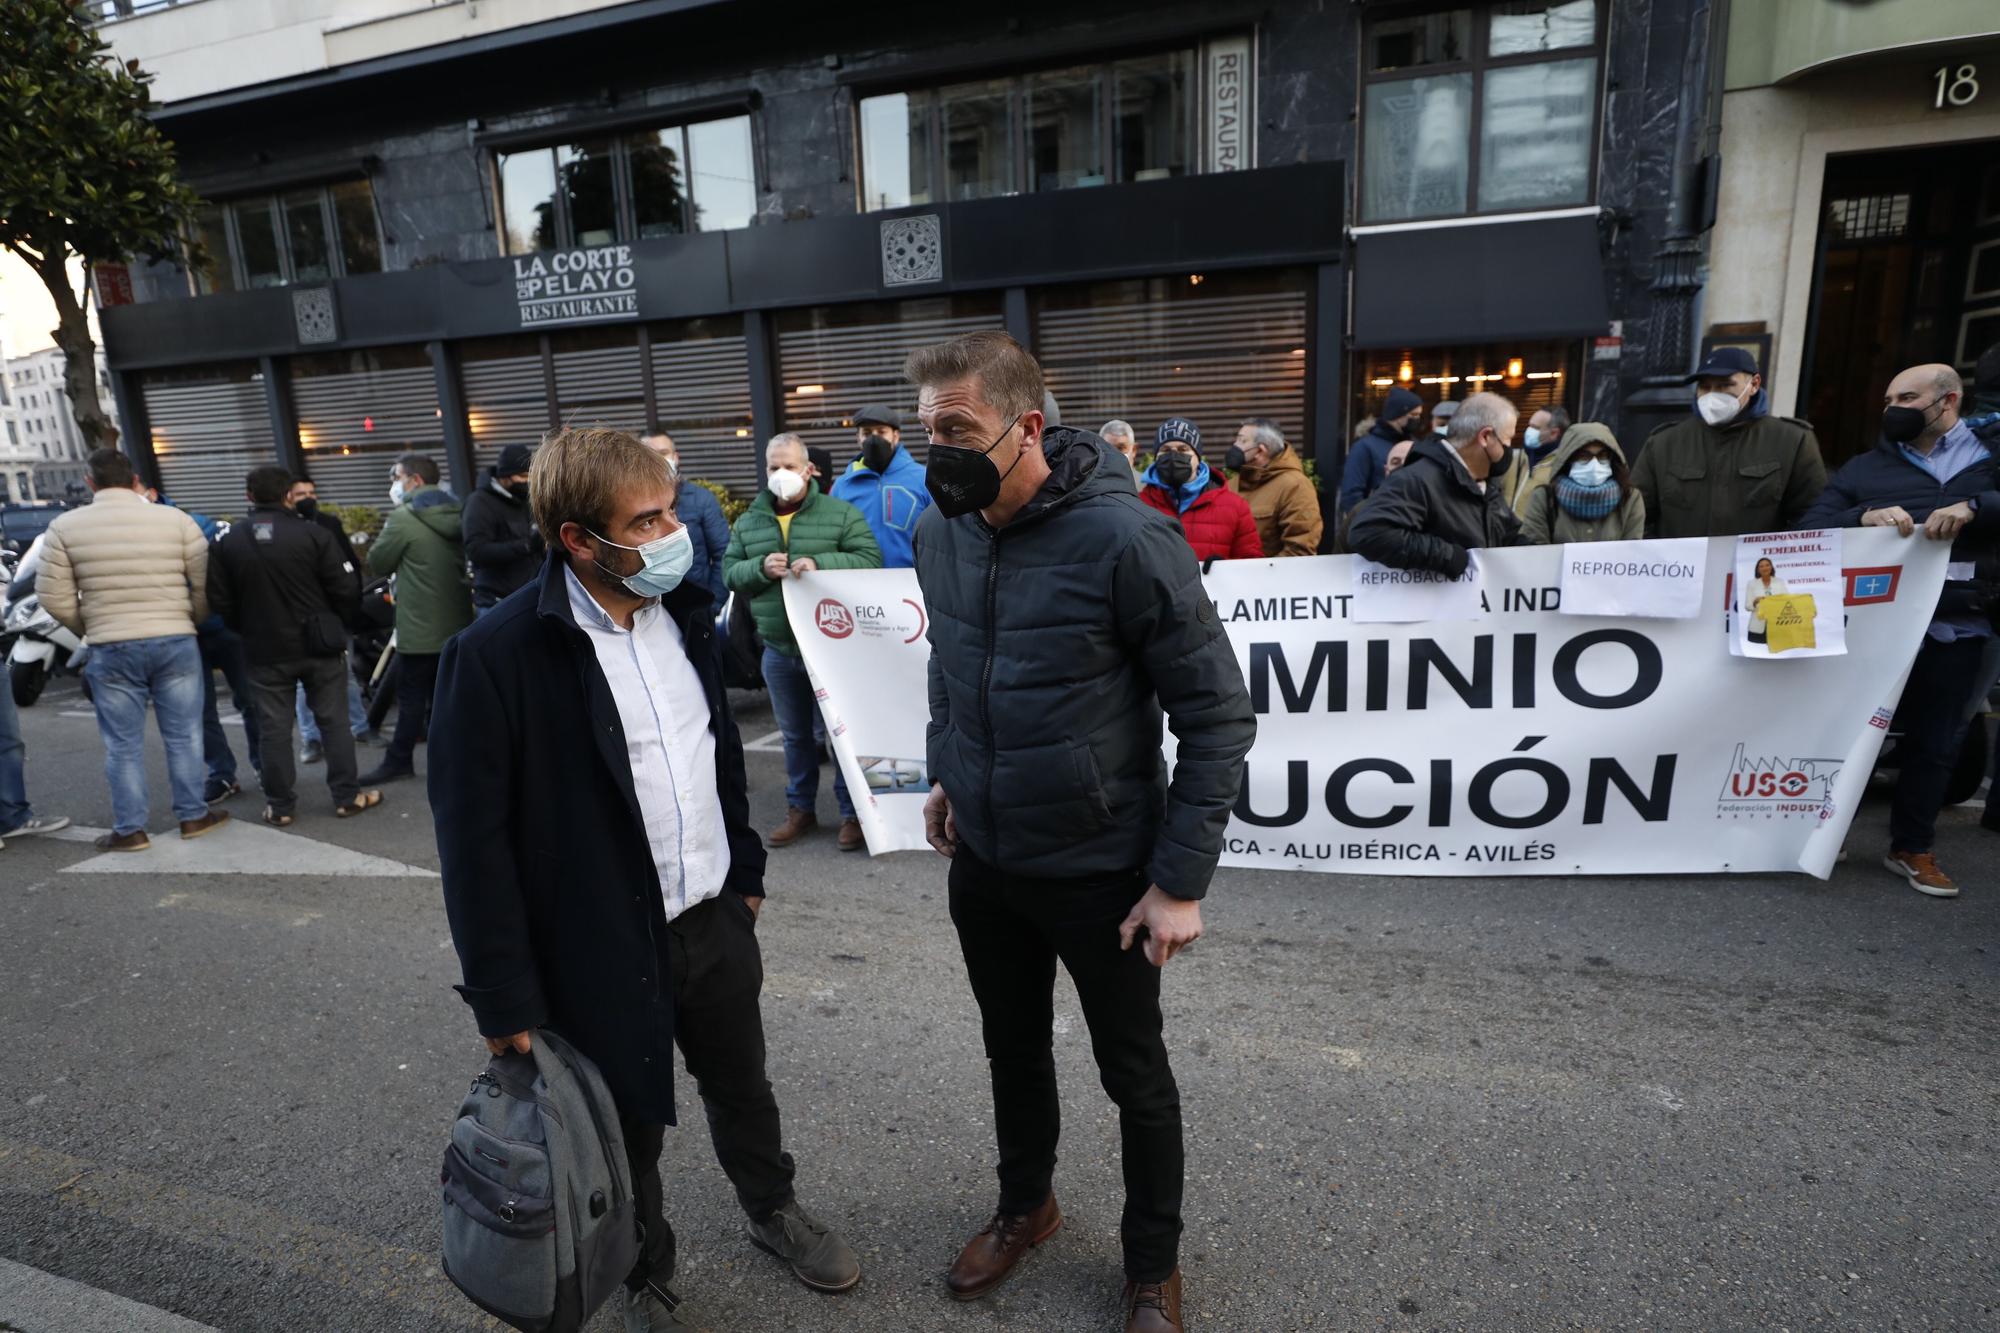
[(717, 972), (222, 650), (1932, 716), (1012, 931), (416, 678), (274, 687)]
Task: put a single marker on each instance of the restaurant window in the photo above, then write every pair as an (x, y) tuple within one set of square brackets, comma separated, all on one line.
[(1131, 119), (209, 425), (836, 360), (1480, 110), (1217, 349), (308, 234), (358, 412), (1530, 374), (637, 185)]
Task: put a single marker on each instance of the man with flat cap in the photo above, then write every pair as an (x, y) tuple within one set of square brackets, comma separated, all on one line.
[(885, 484), (1729, 467)]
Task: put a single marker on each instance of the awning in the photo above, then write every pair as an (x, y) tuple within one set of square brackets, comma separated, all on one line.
[(1485, 282)]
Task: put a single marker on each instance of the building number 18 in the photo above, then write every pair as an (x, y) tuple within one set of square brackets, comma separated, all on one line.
[(1958, 87)]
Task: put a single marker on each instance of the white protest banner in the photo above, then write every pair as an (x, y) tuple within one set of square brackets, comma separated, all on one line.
[(1528, 743), (1653, 580), (1397, 596), (1789, 591)]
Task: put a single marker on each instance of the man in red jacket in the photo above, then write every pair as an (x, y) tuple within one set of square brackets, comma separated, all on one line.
[(1216, 521)]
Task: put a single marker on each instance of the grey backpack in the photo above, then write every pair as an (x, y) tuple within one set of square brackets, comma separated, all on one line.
[(539, 1223)]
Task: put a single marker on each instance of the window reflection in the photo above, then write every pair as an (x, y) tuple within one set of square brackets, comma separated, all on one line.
[(659, 201), (528, 200), (1153, 116), (305, 232), (354, 218), (257, 239), (721, 166), (896, 150), (1063, 118), (218, 272), (977, 156), (1521, 26), (588, 192), (1417, 147), (1535, 133)]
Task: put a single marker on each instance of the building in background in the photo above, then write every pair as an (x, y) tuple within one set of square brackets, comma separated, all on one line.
[(1858, 216), (450, 227), (43, 454)]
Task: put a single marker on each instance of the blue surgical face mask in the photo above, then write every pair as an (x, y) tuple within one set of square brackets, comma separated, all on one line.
[(1591, 472), (1531, 438), (666, 563)]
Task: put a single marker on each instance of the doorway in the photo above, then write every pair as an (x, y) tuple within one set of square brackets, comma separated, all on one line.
[(1908, 271)]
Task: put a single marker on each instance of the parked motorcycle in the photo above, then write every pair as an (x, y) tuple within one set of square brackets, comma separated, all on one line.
[(42, 647)]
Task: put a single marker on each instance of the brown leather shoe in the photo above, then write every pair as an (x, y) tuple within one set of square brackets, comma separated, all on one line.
[(851, 838), (135, 841), (208, 823), (797, 824), (991, 1255), (1154, 1307)]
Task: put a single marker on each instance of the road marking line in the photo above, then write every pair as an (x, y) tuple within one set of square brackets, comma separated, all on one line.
[(238, 848), (34, 1301), (766, 742)]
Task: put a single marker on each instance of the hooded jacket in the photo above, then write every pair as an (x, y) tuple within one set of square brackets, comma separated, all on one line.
[(1217, 523), (832, 532), (500, 543), (1545, 521), (1284, 504), (1754, 473), (891, 500), (1431, 512), (1056, 642), (421, 545)]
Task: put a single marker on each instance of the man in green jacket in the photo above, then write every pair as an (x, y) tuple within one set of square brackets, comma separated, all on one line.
[(1730, 467), (421, 545), (792, 528)]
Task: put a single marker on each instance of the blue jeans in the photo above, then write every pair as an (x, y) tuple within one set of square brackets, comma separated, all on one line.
[(124, 678), (222, 650), (357, 712), (792, 703), (14, 808)]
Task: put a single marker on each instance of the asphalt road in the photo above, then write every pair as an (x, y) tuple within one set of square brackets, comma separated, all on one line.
[(1412, 1104)]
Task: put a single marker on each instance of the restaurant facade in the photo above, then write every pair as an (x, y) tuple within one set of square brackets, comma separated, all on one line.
[(734, 219)]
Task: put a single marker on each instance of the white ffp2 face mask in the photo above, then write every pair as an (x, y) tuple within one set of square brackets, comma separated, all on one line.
[(1717, 408), (786, 485)]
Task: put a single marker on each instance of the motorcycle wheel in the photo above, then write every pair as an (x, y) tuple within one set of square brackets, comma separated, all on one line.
[(26, 679)]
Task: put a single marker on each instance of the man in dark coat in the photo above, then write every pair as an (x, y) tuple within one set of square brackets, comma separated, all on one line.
[(304, 502), (1447, 499), (599, 868), (1401, 418), (1064, 617), (288, 590), (1929, 472), (501, 543)]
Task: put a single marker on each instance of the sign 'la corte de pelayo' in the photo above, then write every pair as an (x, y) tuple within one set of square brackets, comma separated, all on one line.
[(1524, 739)]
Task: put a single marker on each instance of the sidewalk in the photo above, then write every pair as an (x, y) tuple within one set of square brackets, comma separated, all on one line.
[(32, 1301)]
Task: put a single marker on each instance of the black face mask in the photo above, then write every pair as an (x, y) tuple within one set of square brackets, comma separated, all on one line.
[(1498, 470), (1174, 470), (306, 508), (518, 489), (876, 453), (1232, 458), (1900, 425), (962, 480)]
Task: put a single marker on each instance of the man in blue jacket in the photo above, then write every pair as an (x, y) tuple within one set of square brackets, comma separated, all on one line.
[(1929, 472), (885, 484), (701, 513), (1402, 418)]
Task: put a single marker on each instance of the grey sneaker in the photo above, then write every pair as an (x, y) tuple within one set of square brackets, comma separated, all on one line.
[(819, 1257), (38, 824), (654, 1308)]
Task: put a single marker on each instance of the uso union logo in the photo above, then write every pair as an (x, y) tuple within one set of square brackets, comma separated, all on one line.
[(1776, 787), (833, 619)]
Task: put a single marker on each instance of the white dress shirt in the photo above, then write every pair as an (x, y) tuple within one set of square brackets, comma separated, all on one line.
[(667, 741)]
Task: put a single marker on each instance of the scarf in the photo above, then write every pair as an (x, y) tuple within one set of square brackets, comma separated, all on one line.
[(1589, 503), (1184, 495)]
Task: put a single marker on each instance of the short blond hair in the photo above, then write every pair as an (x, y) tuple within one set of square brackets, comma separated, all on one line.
[(579, 474)]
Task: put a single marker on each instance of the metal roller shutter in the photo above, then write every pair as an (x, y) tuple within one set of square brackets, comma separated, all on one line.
[(209, 427), (701, 395), (360, 411), (598, 382), (506, 395)]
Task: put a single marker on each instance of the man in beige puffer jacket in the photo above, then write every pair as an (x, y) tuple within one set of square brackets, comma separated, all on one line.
[(132, 578)]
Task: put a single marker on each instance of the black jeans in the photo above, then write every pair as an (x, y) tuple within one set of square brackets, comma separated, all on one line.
[(275, 688), (1012, 930), (416, 677), (1932, 718), (717, 970), (222, 650)]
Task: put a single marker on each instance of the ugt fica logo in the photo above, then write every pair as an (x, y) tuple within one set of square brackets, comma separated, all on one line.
[(1774, 787), (834, 619)]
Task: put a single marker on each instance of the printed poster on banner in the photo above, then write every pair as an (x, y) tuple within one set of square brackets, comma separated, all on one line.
[(1788, 594), (1393, 596), (1531, 742), (865, 653), (1654, 580)]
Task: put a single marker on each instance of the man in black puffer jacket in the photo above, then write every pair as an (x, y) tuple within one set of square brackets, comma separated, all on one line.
[(501, 543), (1064, 616), (1446, 499), (1929, 471)]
